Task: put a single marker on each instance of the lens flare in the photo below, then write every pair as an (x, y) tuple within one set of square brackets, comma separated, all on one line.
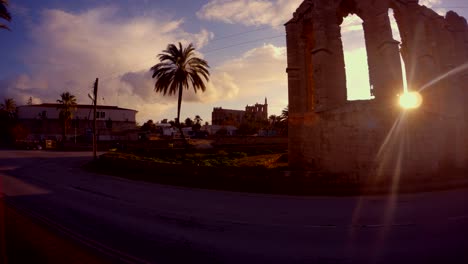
[(410, 100)]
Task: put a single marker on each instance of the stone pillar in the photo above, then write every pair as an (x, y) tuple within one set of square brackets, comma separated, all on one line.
[(329, 76), (419, 34), (458, 92), (383, 53), (299, 92), (297, 68)]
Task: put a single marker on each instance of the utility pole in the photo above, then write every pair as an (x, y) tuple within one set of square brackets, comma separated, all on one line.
[(94, 120)]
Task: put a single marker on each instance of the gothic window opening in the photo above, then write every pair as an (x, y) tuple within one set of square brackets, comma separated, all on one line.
[(355, 54)]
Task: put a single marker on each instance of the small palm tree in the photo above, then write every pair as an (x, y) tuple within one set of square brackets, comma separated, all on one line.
[(285, 114), (7, 120), (272, 119), (9, 108), (188, 122), (179, 68), (284, 119), (67, 106), (9, 105), (198, 120), (4, 14)]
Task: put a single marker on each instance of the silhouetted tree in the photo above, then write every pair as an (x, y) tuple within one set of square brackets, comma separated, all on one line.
[(188, 122), (149, 126), (272, 119), (284, 120), (67, 106), (285, 114), (4, 14), (7, 120), (180, 68), (198, 121), (9, 107)]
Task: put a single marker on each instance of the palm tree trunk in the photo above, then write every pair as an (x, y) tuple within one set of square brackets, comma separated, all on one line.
[(179, 104), (64, 131)]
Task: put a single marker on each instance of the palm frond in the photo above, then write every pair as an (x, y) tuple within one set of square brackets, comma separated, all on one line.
[(4, 14), (4, 11), (9, 105), (179, 69)]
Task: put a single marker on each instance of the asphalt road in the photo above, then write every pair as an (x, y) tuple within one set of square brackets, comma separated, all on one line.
[(135, 222)]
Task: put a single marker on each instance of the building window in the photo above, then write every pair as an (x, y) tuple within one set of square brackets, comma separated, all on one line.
[(100, 115)]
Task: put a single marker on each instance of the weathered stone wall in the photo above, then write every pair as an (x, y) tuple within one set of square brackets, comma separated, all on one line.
[(377, 138), (365, 139)]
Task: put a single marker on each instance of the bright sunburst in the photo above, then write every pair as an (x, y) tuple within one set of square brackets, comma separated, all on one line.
[(410, 100)]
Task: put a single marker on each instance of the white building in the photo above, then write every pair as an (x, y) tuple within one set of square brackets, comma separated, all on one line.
[(213, 129), (113, 123), (167, 130)]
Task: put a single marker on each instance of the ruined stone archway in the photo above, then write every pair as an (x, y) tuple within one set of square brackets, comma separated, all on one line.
[(327, 132)]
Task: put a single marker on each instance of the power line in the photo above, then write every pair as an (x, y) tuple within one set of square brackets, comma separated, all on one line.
[(243, 43), (115, 74), (240, 33)]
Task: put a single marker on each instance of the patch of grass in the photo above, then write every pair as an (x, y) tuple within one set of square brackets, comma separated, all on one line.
[(221, 158), (242, 171), (266, 161), (258, 171)]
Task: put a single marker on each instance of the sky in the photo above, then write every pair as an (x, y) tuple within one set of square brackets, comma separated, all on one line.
[(58, 45)]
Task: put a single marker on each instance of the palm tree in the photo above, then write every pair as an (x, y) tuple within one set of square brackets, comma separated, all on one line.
[(272, 119), (179, 68), (285, 114), (284, 120), (67, 106), (4, 14), (188, 122), (198, 120), (7, 120), (9, 106)]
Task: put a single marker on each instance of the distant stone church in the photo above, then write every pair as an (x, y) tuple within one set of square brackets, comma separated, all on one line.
[(222, 117)]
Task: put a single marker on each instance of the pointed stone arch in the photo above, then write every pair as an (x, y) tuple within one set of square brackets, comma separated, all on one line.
[(323, 124)]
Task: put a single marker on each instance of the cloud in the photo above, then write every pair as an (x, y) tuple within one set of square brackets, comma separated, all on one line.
[(69, 50), (221, 85), (249, 12), (430, 3), (260, 66), (266, 12), (257, 73)]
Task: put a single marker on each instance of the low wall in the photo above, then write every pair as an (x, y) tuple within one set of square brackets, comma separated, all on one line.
[(379, 143), (251, 140)]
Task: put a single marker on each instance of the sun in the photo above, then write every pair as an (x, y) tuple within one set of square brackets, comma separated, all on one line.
[(411, 100)]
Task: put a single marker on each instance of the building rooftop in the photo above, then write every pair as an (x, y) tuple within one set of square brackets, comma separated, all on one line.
[(100, 107)]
